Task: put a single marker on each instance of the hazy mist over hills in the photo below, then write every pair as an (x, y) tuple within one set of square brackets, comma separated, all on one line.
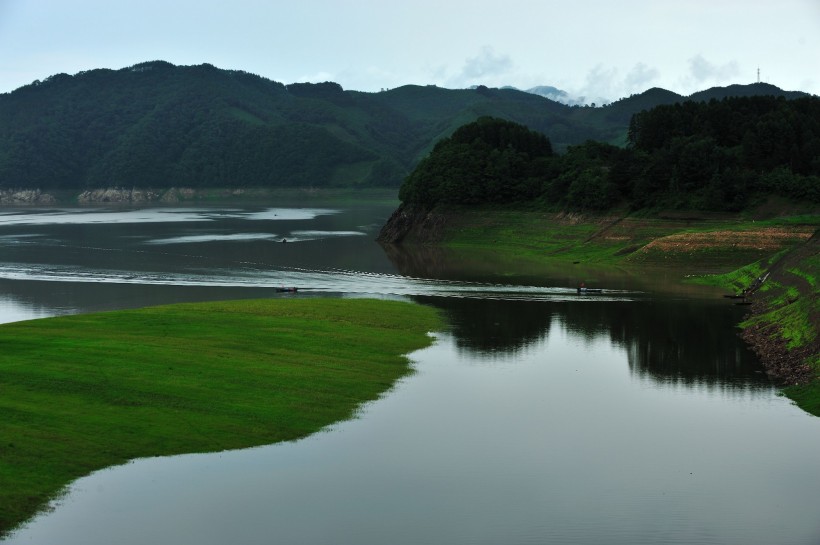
[(558, 95)]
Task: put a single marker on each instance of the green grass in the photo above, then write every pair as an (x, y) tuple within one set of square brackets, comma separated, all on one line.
[(789, 312), (788, 308), (807, 396), (809, 271), (80, 393), (529, 235), (792, 318), (735, 280), (618, 239), (793, 307)]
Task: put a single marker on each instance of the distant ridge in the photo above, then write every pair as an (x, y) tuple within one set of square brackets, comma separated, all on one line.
[(155, 125), (751, 89), (558, 95), (662, 96)]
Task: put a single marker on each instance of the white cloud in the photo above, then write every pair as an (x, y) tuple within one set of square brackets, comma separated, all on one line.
[(486, 68), (701, 71), (640, 77), (606, 84)]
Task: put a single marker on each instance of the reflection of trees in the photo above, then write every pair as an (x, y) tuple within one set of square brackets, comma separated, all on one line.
[(686, 341), (419, 260), (492, 326), (691, 342)]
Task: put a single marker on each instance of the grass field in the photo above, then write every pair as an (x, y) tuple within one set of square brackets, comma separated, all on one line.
[(80, 393), (717, 244)]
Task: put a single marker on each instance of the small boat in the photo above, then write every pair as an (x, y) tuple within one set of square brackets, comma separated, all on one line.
[(287, 290), (590, 290)]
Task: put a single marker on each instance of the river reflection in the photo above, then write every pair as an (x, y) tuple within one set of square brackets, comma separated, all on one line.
[(554, 444), (669, 341), (539, 415)]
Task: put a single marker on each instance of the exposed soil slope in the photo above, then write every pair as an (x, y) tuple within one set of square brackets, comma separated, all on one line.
[(784, 358)]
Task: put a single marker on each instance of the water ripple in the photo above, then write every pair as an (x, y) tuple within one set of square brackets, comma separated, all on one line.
[(310, 281)]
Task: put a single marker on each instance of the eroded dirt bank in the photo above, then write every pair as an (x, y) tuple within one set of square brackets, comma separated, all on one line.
[(768, 337)]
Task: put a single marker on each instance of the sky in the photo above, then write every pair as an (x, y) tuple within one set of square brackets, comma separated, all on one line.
[(601, 50)]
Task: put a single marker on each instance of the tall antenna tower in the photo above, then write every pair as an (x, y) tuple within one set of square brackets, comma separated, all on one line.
[(758, 74)]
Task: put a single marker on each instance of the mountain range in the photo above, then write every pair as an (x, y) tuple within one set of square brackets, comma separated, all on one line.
[(155, 124)]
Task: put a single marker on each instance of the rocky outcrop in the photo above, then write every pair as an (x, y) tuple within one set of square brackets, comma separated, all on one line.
[(412, 224), (118, 195), (143, 196), (178, 194), (25, 196)]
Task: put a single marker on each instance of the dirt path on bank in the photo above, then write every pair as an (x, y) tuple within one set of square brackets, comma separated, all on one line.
[(766, 338)]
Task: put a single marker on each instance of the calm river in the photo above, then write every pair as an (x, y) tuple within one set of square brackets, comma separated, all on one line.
[(540, 416)]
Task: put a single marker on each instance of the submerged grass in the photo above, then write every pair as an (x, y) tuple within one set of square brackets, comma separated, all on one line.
[(80, 393)]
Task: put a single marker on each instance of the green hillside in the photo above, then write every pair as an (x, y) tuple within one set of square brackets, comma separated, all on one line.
[(716, 156), (159, 125)]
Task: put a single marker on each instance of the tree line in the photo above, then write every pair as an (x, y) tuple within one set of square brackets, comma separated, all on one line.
[(717, 155)]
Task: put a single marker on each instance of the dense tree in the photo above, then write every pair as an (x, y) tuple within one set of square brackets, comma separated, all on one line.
[(715, 156), (722, 152), (583, 177), (489, 160), (159, 125)]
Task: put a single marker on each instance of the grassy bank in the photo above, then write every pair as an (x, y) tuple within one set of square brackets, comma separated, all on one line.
[(784, 324), (729, 251), (80, 393), (714, 243)]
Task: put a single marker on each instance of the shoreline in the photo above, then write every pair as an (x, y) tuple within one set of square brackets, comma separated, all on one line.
[(117, 195), (783, 325), (88, 391)]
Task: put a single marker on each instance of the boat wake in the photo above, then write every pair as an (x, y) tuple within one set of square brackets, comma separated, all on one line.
[(310, 281)]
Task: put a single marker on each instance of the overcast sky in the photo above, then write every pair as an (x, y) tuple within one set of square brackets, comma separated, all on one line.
[(595, 48)]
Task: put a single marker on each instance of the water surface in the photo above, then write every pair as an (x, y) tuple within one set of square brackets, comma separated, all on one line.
[(539, 416)]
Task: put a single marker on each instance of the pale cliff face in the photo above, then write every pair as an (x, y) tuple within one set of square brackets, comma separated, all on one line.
[(26, 196)]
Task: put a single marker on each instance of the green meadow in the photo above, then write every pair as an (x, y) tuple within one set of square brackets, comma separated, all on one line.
[(625, 240), (84, 392)]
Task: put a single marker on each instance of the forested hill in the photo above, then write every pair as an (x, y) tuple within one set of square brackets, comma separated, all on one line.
[(159, 125), (720, 155)]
